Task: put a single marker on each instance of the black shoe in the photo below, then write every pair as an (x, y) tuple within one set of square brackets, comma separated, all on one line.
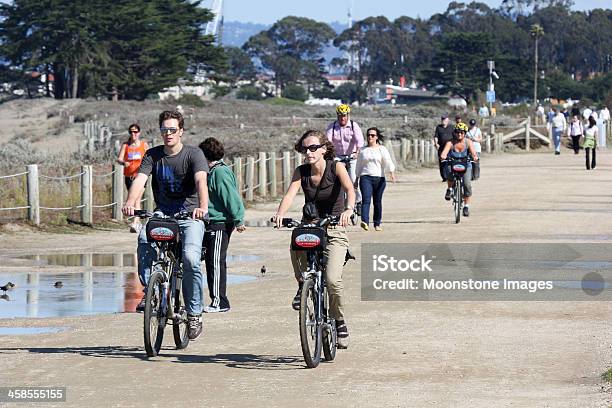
[(449, 194), (466, 212), (297, 299), (343, 334), (141, 306), (194, 326), (557, 153), (358, 209)]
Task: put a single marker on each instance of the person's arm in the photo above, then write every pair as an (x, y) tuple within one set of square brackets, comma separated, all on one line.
[(472, 151), (359, 164), (387, 162), (347, 185), (478, 136), (121, 156), (287, 200), (447, 148), (228, 193), (358, 135), (136, 191), (202, 188), (435, 139)]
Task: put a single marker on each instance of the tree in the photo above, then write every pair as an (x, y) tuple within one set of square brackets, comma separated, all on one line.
[(288, 46), (241, 66)]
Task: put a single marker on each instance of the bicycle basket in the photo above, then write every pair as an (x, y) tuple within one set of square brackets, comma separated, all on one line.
[(162, 229), (304, 239)]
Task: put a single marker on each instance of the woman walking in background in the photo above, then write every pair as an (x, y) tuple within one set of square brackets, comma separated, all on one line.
[(372, 163), (130, 157), (575, 131), (475, 135), (590, 143)]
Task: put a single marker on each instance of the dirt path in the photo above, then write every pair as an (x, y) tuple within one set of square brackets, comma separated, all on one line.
[(404, 354)]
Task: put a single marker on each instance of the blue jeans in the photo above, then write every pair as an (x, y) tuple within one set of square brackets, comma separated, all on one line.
[(556, 135), (192, 233), (372, 187)]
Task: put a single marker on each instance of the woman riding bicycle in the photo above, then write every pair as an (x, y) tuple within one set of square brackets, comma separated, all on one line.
[(324, 183), (460, 148)]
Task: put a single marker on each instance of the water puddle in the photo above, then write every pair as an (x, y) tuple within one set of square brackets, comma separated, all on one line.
[(16, 331), (73, 294), (119, 259)]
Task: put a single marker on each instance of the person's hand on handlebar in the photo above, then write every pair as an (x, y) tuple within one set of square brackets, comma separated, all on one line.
[(128, 209), (345, 217), (200, 213), (278, 220)]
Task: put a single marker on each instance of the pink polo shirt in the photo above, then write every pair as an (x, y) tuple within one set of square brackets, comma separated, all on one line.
[(345, 139)]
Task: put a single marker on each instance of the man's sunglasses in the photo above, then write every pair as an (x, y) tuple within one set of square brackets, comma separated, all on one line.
[(312, 148), (133, 131), (168, 130)]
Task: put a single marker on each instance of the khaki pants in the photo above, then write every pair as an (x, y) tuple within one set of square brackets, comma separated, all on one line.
[(335, 251)]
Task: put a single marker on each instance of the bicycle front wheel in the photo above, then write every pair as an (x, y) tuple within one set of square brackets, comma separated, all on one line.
[(330, 335), (310, 325), (458, 199), (179, 323), (154, 315)]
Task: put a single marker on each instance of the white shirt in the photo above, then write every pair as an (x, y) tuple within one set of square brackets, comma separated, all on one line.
[(374, 161), (586, 113), (558, 121), (605, 114), (473, 134)]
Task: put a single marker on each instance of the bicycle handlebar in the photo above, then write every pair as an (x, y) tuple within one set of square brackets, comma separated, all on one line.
[(323, 222), (181, 215)]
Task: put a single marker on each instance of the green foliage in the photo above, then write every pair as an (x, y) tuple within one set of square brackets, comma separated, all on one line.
[(221, 91), (128, 50), (250, 92), (295, 92), (350, 92), (191, 100), (240, 64), (283, 102)]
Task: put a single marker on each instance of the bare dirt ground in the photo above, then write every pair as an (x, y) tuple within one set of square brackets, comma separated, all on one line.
[(402, 354)]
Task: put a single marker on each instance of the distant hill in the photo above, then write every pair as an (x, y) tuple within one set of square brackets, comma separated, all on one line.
[(236, 33)]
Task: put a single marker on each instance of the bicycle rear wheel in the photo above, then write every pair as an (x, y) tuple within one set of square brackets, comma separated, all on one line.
[(458, 201), (330, 336), (154, 316), (179, 324), (310, 327)]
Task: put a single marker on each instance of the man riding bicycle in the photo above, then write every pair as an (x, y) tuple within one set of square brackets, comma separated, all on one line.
[(460, 148), (347, 138), (179, 184)]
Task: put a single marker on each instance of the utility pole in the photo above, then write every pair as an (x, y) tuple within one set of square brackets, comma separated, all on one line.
[(536, 32)]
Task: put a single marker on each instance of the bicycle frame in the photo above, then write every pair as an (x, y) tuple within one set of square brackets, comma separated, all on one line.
[(168, 263)]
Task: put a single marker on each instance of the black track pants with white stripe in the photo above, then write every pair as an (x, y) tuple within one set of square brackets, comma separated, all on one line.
[(216, 241)]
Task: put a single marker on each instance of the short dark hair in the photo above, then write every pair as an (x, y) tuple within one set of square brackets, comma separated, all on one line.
[(330, 152), (213, 149), (165, 115), (134, 125), (379, 135)]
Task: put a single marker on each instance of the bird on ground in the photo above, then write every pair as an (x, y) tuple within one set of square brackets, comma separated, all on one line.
[(7, 287), (263, 270), (58, 284)]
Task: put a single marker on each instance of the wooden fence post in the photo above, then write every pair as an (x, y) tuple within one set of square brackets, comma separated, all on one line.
[(287, 170), (422, 151), (272, 175), (527, 129), (488, 143), (263, 180), (117, 197), (404, 149), (86, 195), (415, 151), (33, 194), (500, 137), (239, 174), (250, 178)]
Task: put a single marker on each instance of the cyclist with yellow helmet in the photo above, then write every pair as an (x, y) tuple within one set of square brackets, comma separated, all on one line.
[(460, 147), (347, 138)]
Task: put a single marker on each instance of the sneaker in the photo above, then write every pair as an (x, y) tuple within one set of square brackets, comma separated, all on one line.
[(194, 326), (466, 211), (215, 309), (297, 299), (141, 306), (364, 226), (343, 334), (378, 228), (449, 194), (557, 153)]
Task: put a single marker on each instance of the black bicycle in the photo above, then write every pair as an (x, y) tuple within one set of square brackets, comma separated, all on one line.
[(164, 303), (317, 328), (458, 169), (346, 160)]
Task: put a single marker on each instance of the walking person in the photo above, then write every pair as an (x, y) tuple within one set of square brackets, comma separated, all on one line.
[(442, 135), (575, 131), (475, 135), (558, 127), (226, 213), (130, 156), (590, 143), (373, 162)]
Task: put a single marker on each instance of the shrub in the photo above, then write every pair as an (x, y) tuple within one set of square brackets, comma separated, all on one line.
[(295, 92), (250, 92)]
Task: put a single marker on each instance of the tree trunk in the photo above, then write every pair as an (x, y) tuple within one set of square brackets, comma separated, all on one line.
[(58, 81), (75, 81)]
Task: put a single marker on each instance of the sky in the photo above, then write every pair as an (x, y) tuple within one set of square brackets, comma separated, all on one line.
[(270, 11)]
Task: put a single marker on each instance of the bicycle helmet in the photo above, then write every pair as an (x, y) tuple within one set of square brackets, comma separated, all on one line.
[(461, 127), (343, 109)]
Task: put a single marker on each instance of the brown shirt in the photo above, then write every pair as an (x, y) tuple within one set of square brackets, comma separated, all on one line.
[(330, 200)]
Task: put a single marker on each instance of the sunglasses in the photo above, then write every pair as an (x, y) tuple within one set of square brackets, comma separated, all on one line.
[(372, 135), (312, 148), (133, 131), (168, 130)]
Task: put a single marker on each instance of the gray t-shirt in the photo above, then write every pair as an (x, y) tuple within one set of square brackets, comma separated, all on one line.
[(173, 185)]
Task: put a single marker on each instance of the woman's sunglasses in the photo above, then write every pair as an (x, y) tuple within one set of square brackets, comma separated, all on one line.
[(372, 135), (312, 148)]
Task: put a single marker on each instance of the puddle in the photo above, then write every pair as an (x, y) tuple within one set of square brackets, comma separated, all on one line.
[(121, 259), (16, 331), (35, 294)]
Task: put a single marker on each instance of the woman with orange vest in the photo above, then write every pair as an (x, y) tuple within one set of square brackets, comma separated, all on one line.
[(130, 157)]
